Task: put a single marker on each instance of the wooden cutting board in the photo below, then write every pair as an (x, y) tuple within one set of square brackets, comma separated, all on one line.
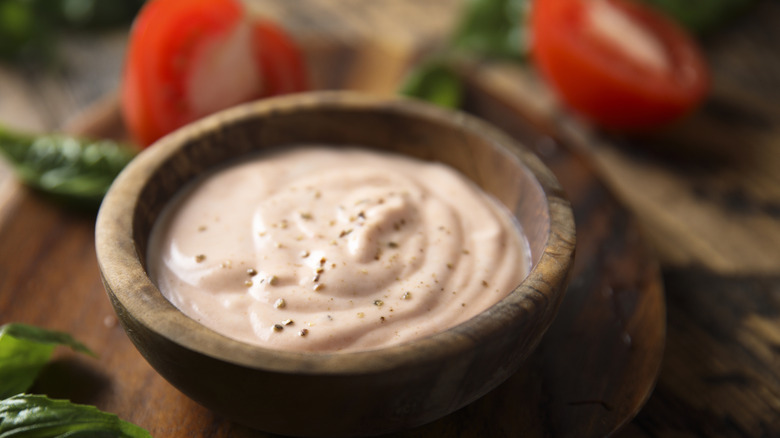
[(706, 196), (593, 371)]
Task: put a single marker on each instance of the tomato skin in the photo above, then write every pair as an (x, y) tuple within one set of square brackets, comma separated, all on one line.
[(606, 85), (165, 42)]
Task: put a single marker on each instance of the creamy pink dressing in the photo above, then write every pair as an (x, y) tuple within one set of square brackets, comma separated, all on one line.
[(320, 249)]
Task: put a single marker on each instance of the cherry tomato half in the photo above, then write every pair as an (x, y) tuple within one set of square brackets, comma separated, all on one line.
[(189, 58), (616, 62)]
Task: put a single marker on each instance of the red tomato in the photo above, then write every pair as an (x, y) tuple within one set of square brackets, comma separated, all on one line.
[(189, 58), (618, 63)]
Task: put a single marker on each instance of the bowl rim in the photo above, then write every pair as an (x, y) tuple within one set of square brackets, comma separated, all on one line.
[(122, 270)]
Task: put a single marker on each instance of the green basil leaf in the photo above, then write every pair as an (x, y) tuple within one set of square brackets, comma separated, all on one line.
[(38, 416), (76, 171), (493, 28), (24, 350), (434, 82)]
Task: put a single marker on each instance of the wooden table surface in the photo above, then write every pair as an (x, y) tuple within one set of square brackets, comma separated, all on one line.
[(706, 193)]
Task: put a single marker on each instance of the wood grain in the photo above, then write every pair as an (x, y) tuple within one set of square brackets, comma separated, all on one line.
[(543, 399), (618, 309), (719, 374), (612, 321), (706, 192), (611, 326)]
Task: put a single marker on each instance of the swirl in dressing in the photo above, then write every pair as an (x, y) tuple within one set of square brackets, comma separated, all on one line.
[(319, 249)]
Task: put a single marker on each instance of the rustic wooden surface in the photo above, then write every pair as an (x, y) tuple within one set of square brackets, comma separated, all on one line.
[(706, 194)]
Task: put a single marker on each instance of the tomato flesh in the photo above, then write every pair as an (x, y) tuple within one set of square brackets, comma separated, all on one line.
[(188, 58), (230, 56), (617, 63)]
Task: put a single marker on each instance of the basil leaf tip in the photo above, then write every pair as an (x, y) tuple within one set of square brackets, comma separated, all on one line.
[(24, 351), (38, 416), (74, 170), (434, 82)]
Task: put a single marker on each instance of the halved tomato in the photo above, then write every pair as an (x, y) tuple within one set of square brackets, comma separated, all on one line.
[(617, 62), (189, 58)]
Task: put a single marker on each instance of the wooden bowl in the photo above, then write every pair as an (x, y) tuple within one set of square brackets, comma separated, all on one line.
[(336, 394)]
